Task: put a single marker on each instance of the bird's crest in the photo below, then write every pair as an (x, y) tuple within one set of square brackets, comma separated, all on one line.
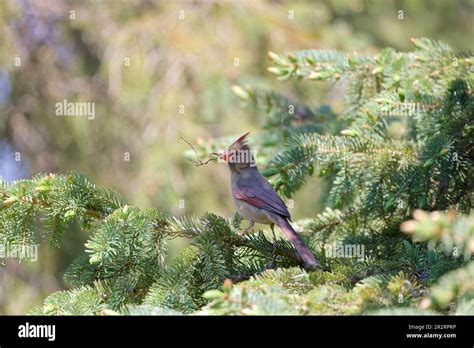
[(240, 143)]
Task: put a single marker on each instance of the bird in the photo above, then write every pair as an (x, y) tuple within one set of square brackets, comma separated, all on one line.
[(256, 199)]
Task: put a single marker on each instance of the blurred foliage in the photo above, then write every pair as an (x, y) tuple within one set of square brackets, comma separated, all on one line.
[(158, 70)]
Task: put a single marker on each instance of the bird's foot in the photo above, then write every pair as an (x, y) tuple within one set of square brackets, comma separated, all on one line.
[(245, 231), (242, 233)]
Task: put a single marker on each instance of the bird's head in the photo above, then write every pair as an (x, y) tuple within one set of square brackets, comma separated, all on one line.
[(238, 156)]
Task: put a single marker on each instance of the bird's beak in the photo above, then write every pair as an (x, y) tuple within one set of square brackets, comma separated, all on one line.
[(224, 156)]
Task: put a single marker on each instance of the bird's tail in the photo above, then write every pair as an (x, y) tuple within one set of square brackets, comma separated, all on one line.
[(306, 254)]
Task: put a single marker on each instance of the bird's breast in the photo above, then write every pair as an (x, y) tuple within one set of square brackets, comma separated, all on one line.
[(253, 213)]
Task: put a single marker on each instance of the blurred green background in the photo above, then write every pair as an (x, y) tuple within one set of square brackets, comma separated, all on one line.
[(159, 70)]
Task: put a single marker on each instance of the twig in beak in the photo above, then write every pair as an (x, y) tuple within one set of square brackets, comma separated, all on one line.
[(214, 155)]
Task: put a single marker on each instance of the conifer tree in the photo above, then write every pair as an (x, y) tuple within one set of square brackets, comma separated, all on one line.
[(406, 199)]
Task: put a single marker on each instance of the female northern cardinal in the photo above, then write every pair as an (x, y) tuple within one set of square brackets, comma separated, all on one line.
[(255, 198)]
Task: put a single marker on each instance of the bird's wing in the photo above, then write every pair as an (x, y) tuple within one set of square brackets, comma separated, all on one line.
[(264, 198)]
